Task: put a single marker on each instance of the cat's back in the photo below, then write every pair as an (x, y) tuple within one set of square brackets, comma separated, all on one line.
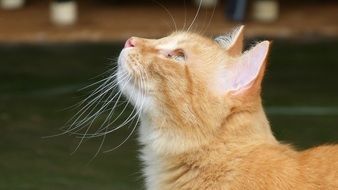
[(319, 166), (280, 167)]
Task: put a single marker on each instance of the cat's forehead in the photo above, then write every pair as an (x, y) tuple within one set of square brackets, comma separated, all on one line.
[(183, 38)]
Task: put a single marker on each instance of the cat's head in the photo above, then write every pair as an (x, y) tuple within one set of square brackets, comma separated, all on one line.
[(185, 85)]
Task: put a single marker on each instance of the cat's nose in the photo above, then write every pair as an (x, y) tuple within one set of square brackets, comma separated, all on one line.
[(130, 43)]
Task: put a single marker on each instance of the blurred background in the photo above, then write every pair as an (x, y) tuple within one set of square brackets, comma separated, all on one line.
[(51, 49)]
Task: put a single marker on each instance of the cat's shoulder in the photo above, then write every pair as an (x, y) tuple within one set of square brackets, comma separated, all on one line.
[(321, 154), (321, 151)]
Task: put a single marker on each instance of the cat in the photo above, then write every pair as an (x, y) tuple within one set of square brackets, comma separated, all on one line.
[(203, 125)]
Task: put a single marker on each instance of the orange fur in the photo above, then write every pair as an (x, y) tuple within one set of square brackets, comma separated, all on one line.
[(196, 136)]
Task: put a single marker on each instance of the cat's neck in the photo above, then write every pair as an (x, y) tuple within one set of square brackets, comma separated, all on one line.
[(239, 133), (246, 127)]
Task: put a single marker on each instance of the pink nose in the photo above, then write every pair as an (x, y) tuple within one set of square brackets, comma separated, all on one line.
[(130, 43)]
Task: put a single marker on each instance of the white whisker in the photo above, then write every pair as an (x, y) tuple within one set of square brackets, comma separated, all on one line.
[(95, 101), (168, 12), (94, 116), (210, 19), (185, 15), (142, 86), (196, 15), (125, 140), (86, 119)]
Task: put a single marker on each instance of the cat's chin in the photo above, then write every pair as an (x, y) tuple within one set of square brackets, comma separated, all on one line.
[(122, 57), (140, 100)]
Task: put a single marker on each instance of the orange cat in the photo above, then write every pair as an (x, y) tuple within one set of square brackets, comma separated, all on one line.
[(202, 122)]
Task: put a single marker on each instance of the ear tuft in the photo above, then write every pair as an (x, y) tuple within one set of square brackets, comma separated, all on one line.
[(232, 42)]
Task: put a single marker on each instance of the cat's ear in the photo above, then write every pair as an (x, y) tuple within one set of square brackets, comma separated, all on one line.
[(232, 42), (236, 46), (246, 73)]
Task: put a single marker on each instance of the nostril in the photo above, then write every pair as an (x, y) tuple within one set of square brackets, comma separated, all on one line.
[(129, 43)]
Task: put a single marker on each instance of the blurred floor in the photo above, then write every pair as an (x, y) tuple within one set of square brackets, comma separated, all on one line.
[(38, 83), (107, 22)]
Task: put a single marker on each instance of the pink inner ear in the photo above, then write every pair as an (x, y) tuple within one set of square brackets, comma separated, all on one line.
[(247, 68)]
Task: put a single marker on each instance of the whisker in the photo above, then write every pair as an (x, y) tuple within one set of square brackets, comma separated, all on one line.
[(196, 15), (210, 19), (84, 109), (79, 114), (105, 99), (80, 119), (93, 84), (100, 91), (125, 140), (91, 123), (96, 100), (86, 119), (185, 15), (131, 117), (93, 92), (110, 115), (138, 119), (82, 139), (102, 86), (168, 12), (106, 84), (101, 145), (110, 69), (98, 149)]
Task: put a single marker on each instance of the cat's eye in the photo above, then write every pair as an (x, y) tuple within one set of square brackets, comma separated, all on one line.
[(177, 55)]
